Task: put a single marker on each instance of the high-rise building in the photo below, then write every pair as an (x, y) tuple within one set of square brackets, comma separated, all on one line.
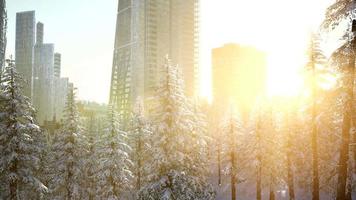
[(239, 74), (39, 33), (43, 78), (147, 31), (24, 52), (3, 20), (61, 86), (61, 90), (57, 65)]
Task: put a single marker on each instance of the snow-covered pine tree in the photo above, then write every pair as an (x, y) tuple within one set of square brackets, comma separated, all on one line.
[(67, 155), (343, 12), (257, 150), (173, 172), (19, 150), (200, 140), (114, 174), (91, 162), (338, 12), (140, 140), (272, 167), (315, 56), (232, 129), (344, 60), (40, 172)]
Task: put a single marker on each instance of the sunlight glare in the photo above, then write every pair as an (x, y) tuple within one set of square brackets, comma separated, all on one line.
[(279, 27)]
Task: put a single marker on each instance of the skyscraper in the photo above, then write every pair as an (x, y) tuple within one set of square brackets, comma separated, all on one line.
[(57, 65), (61, 86), (39, 33), (43, 77), (3, 20), (25, 40), (239, 74), (147, 31)]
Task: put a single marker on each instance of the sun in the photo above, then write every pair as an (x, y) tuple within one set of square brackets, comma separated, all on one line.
[(279, 27), (285, 72)]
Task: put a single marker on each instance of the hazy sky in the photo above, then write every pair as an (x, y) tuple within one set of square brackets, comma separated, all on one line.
[(83, 32)]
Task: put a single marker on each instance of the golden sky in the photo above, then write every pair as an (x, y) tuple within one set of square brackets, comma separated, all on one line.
[(279, 27)]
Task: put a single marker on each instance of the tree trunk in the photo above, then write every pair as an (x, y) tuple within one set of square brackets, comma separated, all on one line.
[(258, 182), (219, 163), (139, 164), (346, 126), (259, 162), (233, 160), (290, 178), (271, 193), (314, 140), (289, 152), (349, 181), (354, 145), (233, 175)]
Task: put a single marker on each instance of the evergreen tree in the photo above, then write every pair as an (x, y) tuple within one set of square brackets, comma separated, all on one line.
[(174, 171), (19, 146), (91, 157), (67, 155), (114, 171), (200, 140), (257, 146), (316, 58), (272, 167), (140, 139), (344, 60), (232, 129)]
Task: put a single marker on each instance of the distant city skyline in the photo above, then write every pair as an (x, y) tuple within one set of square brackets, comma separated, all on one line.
[(146, 32), (84, 33)]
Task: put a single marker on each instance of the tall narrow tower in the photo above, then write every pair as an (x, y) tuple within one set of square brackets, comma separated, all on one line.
[(43, 77), (147, 31), (57, 65), (3, 24), (24, 48)]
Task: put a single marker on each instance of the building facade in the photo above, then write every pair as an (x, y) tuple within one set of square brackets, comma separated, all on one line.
[(41, 68), (24, 47), (61, 91), (57, 65), (147, 31), (43, 77), (239, 75), (43, 82)]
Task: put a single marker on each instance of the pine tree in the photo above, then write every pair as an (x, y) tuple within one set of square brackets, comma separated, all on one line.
[(140, 139), (174, 172), (200, 140), (114, 174), (19, 149), (257, 152), (271, 163), (316, 59), (232, 129), (91, 157), (344, 57), (338, 12), (67, 155)]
